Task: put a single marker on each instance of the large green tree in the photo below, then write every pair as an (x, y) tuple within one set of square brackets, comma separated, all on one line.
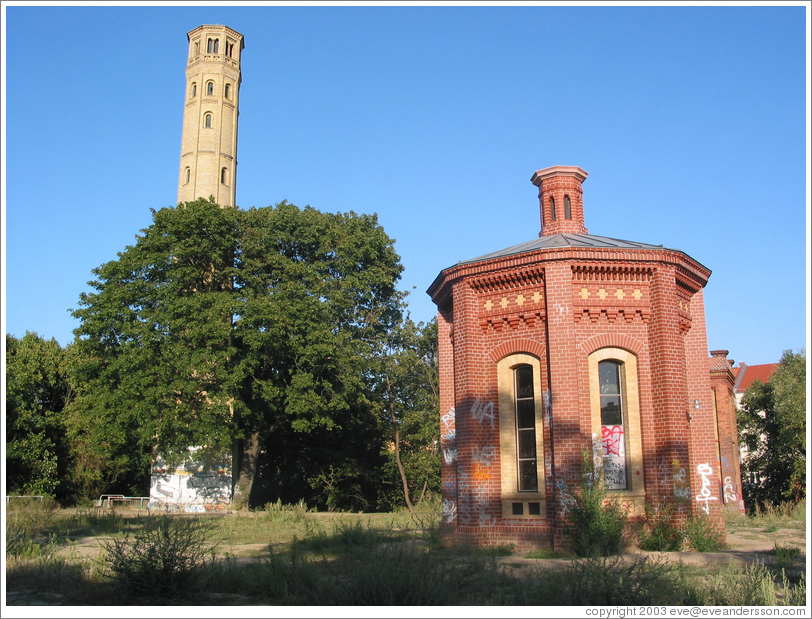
[(409, 402), (255, 328), (772, 425), (37, 390)]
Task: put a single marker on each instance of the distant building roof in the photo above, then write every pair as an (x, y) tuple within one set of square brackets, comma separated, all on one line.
[(746, 374), (564, 240)]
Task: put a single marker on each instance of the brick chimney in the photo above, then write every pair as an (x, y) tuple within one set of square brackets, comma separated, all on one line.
[(561, 199)]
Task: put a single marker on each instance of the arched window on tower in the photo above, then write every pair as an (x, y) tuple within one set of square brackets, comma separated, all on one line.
[(228, 91), (210, 46), (194, 89), (197, 48), (216, 45), (224, 176), (188, 174), (552, 208), (567, 208), (209, 88), (207, 121)]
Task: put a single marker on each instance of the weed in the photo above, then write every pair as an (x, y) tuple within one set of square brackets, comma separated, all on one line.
[(659, 532), (159, 559), (786, 555), (703, 535), (598, 523), (737, 585)]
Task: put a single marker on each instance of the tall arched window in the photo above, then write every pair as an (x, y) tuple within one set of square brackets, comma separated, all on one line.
[(210, 46), (521, 444), (188, 174), (224, 176), (552, 207), (209, 88), (194, 89), (207, 121), (524, 399), (216, 45), (613, 428), (228, 91), (567, 208), (197, 48)]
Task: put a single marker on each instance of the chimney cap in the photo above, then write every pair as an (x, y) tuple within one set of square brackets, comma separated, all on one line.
[(558, 170)]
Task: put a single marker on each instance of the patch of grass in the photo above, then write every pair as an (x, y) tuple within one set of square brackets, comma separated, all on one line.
[(741, 585), (785, 555), (659, 533), (547, 553)]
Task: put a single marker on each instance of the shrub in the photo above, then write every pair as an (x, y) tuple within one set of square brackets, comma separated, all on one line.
[(606, 581), (598, 523), (703, 535), (159, 559), (748, 585), (659, 533)]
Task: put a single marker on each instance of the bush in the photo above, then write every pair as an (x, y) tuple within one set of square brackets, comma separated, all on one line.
[(606, 581), (659, 533), (749, 585), (598, 523), (703, 535), (159, 559)]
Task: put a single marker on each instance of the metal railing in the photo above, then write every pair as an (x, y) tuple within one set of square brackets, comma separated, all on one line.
[(25, 496), (107, 500)]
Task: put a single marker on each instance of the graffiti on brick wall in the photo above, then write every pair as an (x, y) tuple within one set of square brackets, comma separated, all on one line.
[(682, 487), (730, 491), (705, 495), (448, 436), (482, 411), (449, 510)]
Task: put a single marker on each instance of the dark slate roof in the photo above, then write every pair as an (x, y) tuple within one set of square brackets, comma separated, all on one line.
[(563, 240)]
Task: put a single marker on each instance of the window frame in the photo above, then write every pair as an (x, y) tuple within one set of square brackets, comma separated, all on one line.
[(635, 480), (207, 120), (511, 496)]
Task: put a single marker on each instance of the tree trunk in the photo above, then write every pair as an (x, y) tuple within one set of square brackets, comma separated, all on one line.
[(246, 453)]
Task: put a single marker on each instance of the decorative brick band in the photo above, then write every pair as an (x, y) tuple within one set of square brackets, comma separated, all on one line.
[(511, 347), (613, 340)]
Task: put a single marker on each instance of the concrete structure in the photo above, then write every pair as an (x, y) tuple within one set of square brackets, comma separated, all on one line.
[(208, 160), (569, 344)]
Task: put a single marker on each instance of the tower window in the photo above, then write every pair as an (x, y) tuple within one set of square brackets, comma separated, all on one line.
[(207, 121), (188, 174), (212, 46), (209, 88), (229, 49), (197, 48), (194, 90), (552, 207), (525, 428), (567, 208), (224, 176), (228, 91)]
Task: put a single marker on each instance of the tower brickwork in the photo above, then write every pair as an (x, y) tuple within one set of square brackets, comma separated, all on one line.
[(208, 160)]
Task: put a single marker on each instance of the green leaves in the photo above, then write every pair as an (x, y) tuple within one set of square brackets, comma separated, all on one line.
[(772, 425)]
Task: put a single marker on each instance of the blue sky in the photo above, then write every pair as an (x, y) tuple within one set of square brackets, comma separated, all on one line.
[(691, 121)]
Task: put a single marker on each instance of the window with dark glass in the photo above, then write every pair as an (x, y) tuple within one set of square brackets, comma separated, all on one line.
[(613, 429), (209, 88), (567, 208), (188, 173), (552, 207), (525, 428), (210, 46), (207, 121)]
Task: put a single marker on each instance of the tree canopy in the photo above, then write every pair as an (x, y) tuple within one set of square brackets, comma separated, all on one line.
[(256, 327), (772, 426)]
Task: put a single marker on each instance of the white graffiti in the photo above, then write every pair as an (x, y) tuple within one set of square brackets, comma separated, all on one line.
[(567, 500), (448, 436), (485, 455), (730, 491), (482, 411), (704, 496), (449, 510), (681, 489)]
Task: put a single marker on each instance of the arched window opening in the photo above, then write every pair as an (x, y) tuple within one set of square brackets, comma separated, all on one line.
[(228, 91), (567, 208), (224, 176), (194, 90), (209, 88), (229, 49), (216, 45), (552, 208), (210, 46), (613, 426), (188, 174), (197, 48), (207, 121), (524, 398)]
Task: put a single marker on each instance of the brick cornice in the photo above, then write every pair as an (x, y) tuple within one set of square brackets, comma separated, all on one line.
[(690, 273)]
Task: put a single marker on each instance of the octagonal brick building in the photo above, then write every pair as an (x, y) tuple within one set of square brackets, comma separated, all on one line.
[(573, 344)]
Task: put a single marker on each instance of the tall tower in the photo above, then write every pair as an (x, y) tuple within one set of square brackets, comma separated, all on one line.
[(208, 157)]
